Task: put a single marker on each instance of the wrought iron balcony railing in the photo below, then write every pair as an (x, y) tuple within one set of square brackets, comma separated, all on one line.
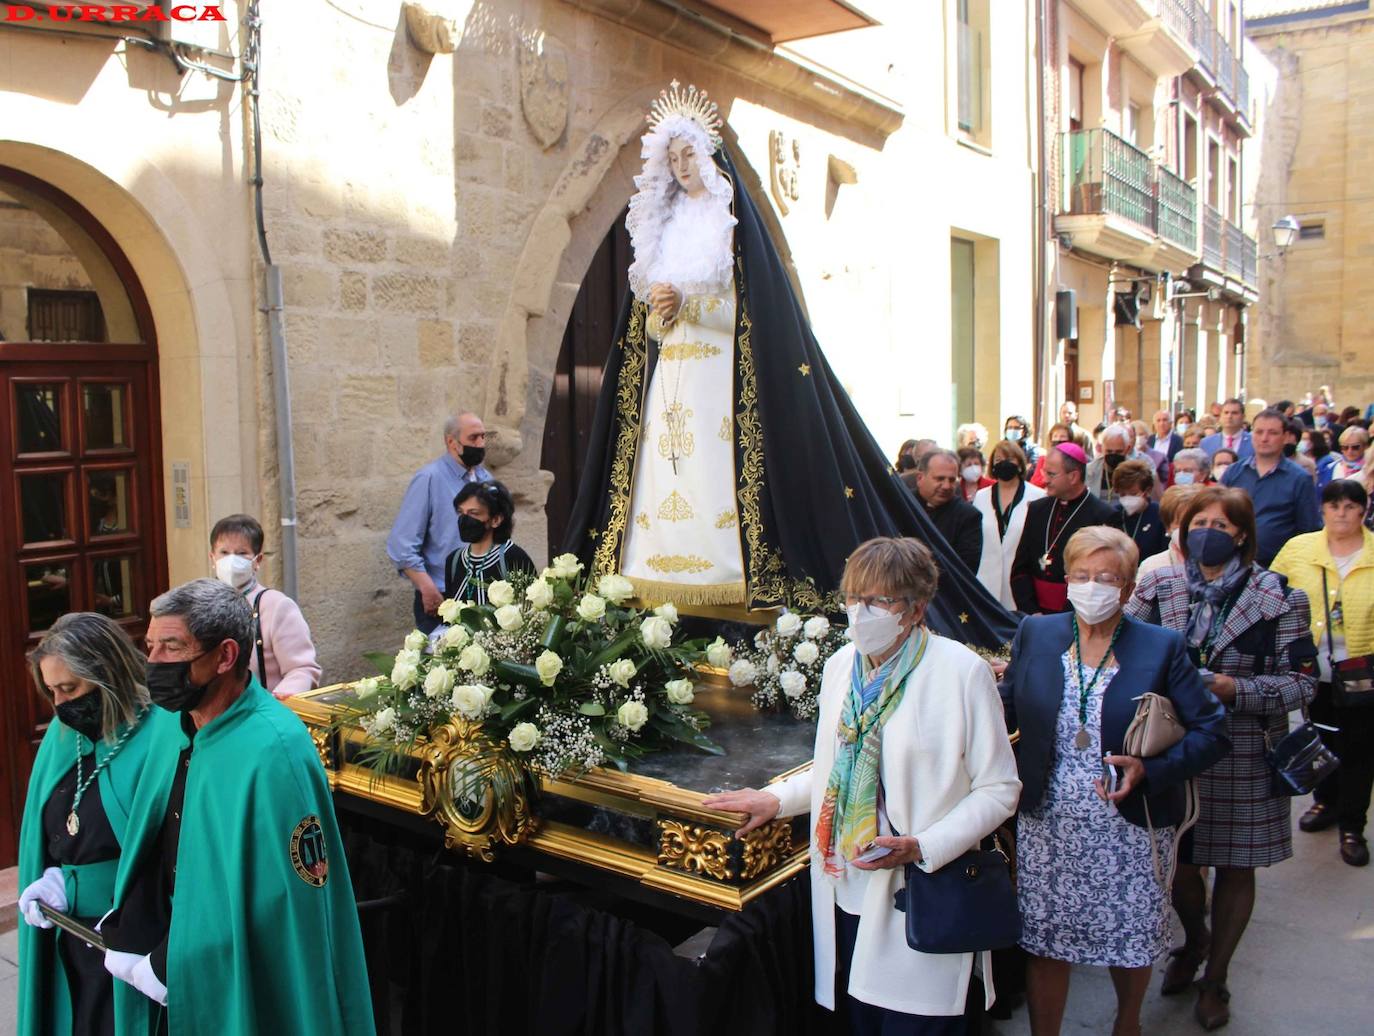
[(1176, 210), (1211, 237), (1234, 264), (1249, 260), (1104, 174)]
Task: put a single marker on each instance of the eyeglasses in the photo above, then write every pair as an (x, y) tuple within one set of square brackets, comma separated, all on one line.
[(1105, 578), (888, 603), (1352, 447)]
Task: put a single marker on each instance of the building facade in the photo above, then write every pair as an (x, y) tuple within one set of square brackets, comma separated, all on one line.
[(1153, 257), (440, 194), (1318, 143)]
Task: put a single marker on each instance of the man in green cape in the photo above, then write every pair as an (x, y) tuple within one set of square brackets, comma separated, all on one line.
[(233, 907)]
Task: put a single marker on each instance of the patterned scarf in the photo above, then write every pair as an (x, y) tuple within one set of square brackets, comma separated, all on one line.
[(848, 818), (1208, 597)]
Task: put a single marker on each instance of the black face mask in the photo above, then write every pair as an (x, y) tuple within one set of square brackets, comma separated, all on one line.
[(1290, 449), (470, 529), (170, 686), (1113, 459), (1005, 470), (83, 714), (473, 456)]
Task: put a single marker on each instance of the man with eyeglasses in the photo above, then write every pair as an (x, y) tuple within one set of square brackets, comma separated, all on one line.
[(1283, 494), (1037, 574)]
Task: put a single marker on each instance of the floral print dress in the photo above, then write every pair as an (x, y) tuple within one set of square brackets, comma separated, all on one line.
[(1085, 875)]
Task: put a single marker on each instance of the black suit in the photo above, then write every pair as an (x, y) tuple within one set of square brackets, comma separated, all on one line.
[(1171, 447), (961, 525), (1025, 570)]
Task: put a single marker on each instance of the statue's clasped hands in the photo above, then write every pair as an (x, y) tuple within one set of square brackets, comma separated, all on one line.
[(665, 301)]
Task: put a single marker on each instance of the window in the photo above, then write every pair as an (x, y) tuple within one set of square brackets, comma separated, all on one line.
[(1233, 190), (972, 47), (963, 346), (65, 316), (1311, 229), (1189, 156), (1213, 177), (975, 330), (1132, 126), (1075, 95)]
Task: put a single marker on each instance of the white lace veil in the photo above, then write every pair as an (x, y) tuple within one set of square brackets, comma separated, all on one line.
[(700, 255)]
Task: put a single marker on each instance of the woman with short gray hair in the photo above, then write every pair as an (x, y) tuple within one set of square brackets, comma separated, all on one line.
[(83, 781)]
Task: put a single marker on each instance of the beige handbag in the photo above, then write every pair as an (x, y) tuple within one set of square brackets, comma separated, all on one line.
[(1155, 729)]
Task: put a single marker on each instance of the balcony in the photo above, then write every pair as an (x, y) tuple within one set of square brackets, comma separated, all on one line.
[(1211, 238), (1229, 258), (1162, 43), (1119, 204), (1218, 69), (1233, 261)]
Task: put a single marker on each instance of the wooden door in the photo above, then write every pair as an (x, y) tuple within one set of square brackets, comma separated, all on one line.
[(587, 342), (80, 465)]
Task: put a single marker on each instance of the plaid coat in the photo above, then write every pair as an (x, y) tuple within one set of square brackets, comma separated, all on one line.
[(1266, 646)]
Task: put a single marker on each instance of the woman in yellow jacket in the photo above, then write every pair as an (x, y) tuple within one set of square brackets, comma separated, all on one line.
[(1343, 552)]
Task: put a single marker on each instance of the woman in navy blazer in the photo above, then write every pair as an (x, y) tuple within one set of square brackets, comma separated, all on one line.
[(1088, 886)]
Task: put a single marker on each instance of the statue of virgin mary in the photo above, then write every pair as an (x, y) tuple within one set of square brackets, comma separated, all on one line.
[(727, 466)]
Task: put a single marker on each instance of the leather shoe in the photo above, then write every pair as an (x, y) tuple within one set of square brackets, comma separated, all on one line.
[(1181, 969), (1212, 1010), (1318, 818), (1354, 849)]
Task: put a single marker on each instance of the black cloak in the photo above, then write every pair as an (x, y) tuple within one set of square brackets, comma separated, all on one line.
[(812, 482)]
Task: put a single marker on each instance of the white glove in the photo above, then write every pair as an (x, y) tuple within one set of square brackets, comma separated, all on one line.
[(138, 972), (50, 889)]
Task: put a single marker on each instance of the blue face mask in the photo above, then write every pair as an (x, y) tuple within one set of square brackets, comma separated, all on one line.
[(1210, 546), (1183, 478), (1013, 435)]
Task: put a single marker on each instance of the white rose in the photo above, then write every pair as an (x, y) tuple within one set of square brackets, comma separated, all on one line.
[(743, 672), (632, 715), (455, 638), (449, 609), (806, 652), (657, 632), (367, 688), (788, 624), (438, 682), (616, 589), (591, 608), (405, 675), (718, 653), (416, 641), (523, 737), (508, 617), (384, 719), (793, 683), (667, 611), (680, 692), (548, 666), (761, 639), (773, 665), (474, 660), (816, 627), (622, 671), (408, 656), (470, 700), (539, 594), (566, 566), (500, 594)]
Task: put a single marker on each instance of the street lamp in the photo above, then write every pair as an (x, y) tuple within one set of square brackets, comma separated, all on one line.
[(1286, 232)]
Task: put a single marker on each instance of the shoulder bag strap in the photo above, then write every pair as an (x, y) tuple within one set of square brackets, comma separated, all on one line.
[(257, 636)]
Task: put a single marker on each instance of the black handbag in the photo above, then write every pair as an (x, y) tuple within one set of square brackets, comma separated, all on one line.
[(1352, 679), (967, 906), (1299, 762)]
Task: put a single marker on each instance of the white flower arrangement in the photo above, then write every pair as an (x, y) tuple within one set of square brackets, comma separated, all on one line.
[(785, 663)]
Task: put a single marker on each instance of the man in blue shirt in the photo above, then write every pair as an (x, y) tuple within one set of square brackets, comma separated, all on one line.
[(1285, 497), (1233, 435), (426, 529)]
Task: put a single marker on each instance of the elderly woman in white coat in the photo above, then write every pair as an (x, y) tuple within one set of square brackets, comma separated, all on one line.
[(1003, 507), (912, 765)]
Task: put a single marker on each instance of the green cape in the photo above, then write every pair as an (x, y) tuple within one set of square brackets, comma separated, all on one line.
[(45, 1006), (258, 943)]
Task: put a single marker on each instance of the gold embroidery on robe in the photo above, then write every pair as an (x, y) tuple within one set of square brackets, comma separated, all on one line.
[(689, 351), (642, 519), (675, 508), (726, 520), (628, 390), (677, 441), (678, 563), (726, 431)]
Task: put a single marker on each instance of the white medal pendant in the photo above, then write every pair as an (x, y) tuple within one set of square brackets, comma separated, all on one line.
[(1082, 739), (1044, 562), (73, 823)]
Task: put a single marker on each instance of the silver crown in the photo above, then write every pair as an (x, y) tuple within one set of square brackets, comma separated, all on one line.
[(693, 104)]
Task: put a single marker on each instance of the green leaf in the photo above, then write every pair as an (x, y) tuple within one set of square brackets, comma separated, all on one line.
[(553, 632), (592, 708), (512, 709), (611, 748), (381, 660), (513, 672), (614, 649), (476, 616), (677, 728)]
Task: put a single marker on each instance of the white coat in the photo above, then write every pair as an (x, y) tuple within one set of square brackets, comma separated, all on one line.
[(950, 780), (994, 570)]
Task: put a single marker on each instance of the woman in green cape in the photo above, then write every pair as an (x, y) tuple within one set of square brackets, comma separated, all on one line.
[(75, 816)]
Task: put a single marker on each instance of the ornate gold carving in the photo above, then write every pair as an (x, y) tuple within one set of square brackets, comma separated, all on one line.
[(677, 441), (472, 786), (642, 520), (675, 508), (678, 563), (694, 849), (726, 431), (766, 848), (784, 168), (628, 385), (324, 745), (689, 351), (727, 520)]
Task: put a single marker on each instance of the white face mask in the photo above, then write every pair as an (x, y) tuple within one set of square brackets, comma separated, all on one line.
[(234, 570), (1184, 478), (873, 630), (1218, 471), (972, 473), (1095, 602), (1133, 504), (1182, 428)]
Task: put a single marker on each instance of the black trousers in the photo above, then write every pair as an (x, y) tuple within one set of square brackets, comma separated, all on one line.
[(867, 1020), (1347, 790), (423, 622)]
